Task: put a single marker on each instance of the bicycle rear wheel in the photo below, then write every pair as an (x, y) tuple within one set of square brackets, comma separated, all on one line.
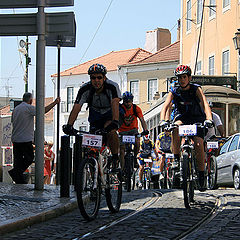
[(113, 190), (188, 185), (88, 190), (211, 178)]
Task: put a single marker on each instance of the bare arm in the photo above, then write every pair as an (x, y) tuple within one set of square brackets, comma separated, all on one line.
[(143, 123), (164, 115), (204, 103), (74, 113), (115, 109), (51, 105)]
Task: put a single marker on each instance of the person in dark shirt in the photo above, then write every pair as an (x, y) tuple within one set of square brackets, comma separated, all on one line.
[(191, 107), (102, 96)]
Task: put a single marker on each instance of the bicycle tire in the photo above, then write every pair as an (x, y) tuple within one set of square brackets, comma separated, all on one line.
[(170, 176), (128, 174), (188, 187), (87, 197), (134, 179), (113, 190), (212, 175)]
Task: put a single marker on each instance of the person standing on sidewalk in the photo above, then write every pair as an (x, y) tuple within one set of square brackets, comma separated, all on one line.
[(23, 136), (49, 156)]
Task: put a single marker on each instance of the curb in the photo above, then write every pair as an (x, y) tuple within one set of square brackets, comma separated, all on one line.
[(30, 219)]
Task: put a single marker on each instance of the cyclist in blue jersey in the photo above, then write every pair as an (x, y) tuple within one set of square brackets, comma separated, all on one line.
[(148, 150), (191, 107)]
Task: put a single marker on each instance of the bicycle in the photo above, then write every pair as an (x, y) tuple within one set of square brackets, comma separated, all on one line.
[(211, 164), (169, 171), (94, 177), (129, 170), (188, 171)]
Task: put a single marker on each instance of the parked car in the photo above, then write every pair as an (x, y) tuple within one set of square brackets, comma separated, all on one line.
[(228, 163)]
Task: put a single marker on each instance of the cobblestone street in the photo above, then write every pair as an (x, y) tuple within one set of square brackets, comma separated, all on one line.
[(167, 218)]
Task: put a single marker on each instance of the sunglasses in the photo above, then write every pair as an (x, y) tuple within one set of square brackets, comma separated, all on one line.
[(98, 77)]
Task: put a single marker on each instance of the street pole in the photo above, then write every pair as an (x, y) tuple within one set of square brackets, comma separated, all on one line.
[(58, 112), (40, 97), (27, 63)]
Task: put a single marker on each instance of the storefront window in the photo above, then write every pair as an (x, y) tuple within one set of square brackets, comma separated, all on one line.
[(234, 119)]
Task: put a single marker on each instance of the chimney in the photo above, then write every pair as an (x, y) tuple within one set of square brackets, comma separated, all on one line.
[(157, 39)]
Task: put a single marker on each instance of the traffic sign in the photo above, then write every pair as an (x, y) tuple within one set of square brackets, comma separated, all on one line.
[(34, 3), (61, 23)]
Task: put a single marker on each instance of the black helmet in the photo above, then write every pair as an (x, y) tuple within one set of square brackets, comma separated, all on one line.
[(97, 68)]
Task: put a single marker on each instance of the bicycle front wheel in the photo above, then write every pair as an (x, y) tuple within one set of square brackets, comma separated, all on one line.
[(188, 185), (128, 173), (113, 190), (88, 189)]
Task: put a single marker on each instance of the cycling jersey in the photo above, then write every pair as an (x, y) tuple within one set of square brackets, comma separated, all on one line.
[(130, 119), (100, 108), (147, 147), (164, 142), (187, 104)]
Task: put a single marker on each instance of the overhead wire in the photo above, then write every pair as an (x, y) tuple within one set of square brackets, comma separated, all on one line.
[(90, 43)]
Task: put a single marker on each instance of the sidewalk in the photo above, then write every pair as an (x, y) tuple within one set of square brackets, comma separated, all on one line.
[(22, 206)]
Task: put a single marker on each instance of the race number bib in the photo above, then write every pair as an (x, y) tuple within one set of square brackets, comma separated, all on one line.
[(169, 155), (212, 145), (128, 139), (92, 140), (187, 130), (147, 160)]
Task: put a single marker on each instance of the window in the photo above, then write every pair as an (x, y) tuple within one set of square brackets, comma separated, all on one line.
[(134, 89), (189, 15), (226, 3), (225, 62), (199, 10), (234, 143), (152, 88), (70, 99), (211, 66), (199, 68), (212, 10), (224, 147)]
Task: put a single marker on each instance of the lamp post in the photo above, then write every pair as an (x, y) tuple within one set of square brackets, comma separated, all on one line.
[(236, 41)]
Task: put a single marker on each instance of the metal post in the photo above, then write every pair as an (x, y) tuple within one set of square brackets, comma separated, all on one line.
[(77, 156), (65, 166), (40, 97), (58, 108)]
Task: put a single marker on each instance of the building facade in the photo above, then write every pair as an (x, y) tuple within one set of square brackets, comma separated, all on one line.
[(207, 31)]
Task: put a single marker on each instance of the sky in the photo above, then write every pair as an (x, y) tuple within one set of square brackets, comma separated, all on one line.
[(123, 27)]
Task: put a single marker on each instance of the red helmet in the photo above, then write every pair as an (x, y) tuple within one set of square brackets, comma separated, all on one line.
[(183, 69), (146, 137)]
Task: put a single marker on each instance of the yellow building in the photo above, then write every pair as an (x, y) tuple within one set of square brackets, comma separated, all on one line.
[(207, 31)]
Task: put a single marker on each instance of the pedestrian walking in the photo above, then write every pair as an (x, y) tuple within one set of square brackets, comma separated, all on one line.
[(23, 136)]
